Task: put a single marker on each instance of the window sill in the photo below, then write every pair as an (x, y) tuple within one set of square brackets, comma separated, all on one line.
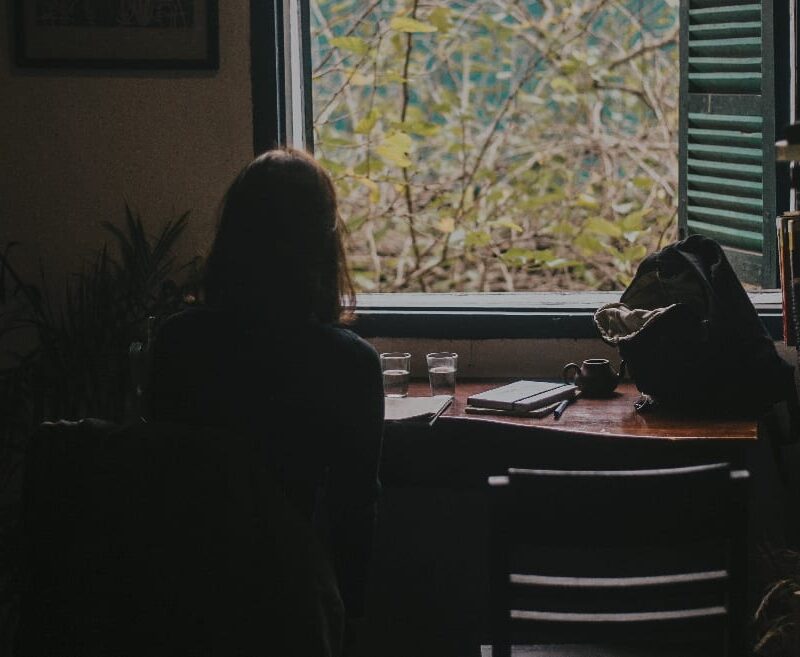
[(472, 316)]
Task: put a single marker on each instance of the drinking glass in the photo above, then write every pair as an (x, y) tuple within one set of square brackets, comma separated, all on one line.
[(442, 367), (396, 367)]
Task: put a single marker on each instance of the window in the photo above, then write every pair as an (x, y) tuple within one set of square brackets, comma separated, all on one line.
[(707, 84), (494, 145)]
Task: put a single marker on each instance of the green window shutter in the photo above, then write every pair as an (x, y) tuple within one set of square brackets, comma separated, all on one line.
[(728, 178)]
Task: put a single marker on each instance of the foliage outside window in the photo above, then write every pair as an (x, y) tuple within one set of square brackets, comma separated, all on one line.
[(498, 145)]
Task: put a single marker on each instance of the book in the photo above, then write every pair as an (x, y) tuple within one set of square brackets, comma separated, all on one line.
[(784, 269), (415, 409), (523, 395), (541, 412), (793, 229)]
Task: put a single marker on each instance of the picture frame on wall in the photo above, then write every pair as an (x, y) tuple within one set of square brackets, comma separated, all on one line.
[(117, 34)]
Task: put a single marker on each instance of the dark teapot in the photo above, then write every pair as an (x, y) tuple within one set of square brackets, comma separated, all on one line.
[(594, 377)]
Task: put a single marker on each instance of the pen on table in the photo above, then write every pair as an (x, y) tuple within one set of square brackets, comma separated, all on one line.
[(441, 410), (559, 411)]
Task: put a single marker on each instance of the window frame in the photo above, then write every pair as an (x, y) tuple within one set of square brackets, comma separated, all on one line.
[(506, 315), (509, 315)]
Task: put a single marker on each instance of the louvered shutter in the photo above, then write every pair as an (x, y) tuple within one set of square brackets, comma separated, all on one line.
[(727, 131)]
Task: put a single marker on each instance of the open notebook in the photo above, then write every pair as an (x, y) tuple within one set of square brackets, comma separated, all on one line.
[(415, 409)]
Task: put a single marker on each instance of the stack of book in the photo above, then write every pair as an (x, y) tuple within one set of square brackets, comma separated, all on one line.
[(788, 227), (521, 398)]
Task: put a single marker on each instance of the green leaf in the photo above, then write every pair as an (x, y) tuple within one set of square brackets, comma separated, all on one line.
[(351, 44), (363, 167), (365, 282), (392, 76), (395, 149), (421, 128), (367, 123), (562, 228), (332, 142), (587, 201), (506, 223), (518, 257), (339, 6), (633, 221), (372, 186), (559, 263), (477, 238), (440, 17), (601, 226), (545, 199), (410, 25), (570, 66), (563, 85), (588, 244), (643, 182), (634, 253), (332, 166), (354, 223)]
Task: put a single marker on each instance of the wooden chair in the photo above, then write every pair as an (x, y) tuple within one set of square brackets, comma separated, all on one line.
[(618, 563)]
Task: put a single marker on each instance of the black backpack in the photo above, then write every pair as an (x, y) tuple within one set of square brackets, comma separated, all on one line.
[(691, 337)]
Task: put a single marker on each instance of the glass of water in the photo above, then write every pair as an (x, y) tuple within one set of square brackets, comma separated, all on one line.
[(396, 367), (442, 367)]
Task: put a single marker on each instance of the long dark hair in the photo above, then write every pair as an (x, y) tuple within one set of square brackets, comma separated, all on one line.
[(279, 246)]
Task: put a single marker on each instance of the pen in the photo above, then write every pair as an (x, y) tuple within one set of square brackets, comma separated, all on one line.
[(563, 406)]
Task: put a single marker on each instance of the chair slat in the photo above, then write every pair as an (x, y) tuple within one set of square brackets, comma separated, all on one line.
[(617, 582), (638, 617)]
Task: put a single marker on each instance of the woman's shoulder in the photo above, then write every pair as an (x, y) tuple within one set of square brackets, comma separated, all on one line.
[(191, 316), (348, 343), (189, 326)]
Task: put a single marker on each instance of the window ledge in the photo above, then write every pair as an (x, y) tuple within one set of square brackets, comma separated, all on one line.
[(475, 316)]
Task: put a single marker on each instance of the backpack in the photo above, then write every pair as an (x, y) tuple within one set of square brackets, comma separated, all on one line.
[(691, 337)]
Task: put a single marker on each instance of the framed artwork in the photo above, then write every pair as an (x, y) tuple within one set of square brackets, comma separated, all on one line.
[(122, 34)]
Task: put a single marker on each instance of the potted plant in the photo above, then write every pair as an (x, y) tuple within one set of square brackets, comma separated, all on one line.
[(78, 365)]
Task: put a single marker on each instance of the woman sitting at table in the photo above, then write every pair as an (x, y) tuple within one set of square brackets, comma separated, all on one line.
[(268, 357)]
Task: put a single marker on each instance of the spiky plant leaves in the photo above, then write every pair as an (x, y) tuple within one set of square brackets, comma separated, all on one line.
[(778, 614), (144, 266), (79, 366)]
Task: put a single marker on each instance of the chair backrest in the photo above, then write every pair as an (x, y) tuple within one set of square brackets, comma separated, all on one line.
[(623, 557), (165, 539)]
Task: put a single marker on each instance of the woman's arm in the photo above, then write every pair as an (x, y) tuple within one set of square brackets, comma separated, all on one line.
[(353, 484)]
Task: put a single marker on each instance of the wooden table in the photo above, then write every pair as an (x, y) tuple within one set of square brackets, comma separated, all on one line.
[(612, 417), (461, 450)]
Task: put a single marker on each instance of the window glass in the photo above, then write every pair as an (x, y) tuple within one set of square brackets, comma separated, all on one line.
[(498, 145)]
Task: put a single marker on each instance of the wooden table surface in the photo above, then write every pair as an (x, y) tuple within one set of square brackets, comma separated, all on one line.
[(613, 417)]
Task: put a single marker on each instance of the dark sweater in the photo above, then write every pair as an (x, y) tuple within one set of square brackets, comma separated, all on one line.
[(311, 395)]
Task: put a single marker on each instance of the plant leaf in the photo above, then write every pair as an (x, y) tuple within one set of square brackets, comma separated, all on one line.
[(351, 44), (395, 149), (600, 226), (410, 25), (365, 125)]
